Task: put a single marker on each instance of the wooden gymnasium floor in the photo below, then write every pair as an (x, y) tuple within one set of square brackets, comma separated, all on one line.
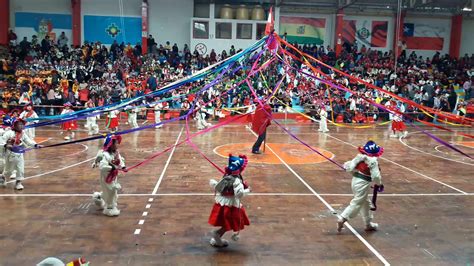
[(426, 214)]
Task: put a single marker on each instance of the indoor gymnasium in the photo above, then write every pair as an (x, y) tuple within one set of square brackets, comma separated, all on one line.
[(222, 132)]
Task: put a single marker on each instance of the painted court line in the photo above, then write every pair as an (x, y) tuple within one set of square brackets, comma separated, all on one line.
[(362, 239), (155, 189), (54, 171), (428, 153), (407, 168), (167, 163), (31, 195)]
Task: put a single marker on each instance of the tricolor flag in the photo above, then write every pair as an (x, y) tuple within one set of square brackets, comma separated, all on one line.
[(369, 33), (303, 30), (422, 37)]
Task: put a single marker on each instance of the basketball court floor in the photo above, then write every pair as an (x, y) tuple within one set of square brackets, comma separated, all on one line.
[(426, 214)]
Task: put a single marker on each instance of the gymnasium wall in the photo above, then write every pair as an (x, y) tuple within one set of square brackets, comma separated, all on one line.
[(169, 20), (41, 17), (467, 36)]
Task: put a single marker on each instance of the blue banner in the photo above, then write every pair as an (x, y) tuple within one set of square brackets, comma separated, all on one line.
[(107, 29), (34, 20)]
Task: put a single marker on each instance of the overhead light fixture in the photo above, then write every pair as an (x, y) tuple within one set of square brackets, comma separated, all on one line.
[(388, 6), (437, 7), (467, 9)]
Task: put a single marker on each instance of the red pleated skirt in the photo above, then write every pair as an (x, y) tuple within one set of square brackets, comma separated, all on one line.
[(398, 126), (229, 217), (69, 125), (112, 122)]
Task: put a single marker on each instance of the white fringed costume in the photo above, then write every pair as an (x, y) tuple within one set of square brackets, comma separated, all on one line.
[(365, 169), (201, 119), (108, 164), (91, 121), (157, 107), (132, 113), (15, 161), (29, 114), (323, 123)]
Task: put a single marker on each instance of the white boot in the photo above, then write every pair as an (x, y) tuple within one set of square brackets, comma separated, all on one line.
[(405, 134), (216, 240), (13, 176), (111, 212), (72, 135), (98, 201), (371, 226), (19, 186), (67, 138)]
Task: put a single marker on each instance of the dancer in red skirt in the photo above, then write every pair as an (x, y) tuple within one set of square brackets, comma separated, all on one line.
[(71, 125), (228, 212), (112, 121), (398, 126)]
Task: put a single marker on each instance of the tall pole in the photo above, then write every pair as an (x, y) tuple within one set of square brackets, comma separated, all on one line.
[(397, 34)]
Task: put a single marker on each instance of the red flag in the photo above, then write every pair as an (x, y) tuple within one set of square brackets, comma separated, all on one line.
[(270, 22)]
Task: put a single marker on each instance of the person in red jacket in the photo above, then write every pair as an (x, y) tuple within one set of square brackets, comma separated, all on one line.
[(261, 120)]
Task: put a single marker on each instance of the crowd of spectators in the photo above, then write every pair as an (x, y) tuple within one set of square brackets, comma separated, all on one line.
[(46, 72)]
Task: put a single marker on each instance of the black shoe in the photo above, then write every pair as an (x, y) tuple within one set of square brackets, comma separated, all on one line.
[(256, 152)]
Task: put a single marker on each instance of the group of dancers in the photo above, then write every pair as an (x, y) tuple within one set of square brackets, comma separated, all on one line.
[(397, 125), (227, 213)]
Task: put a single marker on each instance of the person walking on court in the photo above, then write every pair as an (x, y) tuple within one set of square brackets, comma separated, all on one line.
[(228, 213), (109, 162), (365, 169), (261, 120)]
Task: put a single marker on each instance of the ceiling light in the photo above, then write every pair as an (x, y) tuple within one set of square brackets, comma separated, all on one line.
[(467, 9)]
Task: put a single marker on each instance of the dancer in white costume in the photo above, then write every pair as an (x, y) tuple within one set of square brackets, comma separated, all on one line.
[(132, 111), (365, 169), (201, 118), (14, 141), (157, 107), (91, 122), (323, 123), (109, 162), (29, 113)]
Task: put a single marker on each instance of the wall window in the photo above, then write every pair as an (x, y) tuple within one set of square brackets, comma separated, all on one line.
[(200, 30), (223, 30), (260, 30), (244, 31)]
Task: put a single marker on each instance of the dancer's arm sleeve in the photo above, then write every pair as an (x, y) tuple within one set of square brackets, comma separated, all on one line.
[(28, 141), (239, 190), (351, 165), (104, 165), (375, 172), (122, 161), (213, 183)]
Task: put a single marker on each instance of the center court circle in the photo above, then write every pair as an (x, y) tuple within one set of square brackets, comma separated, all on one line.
[(289, 152)]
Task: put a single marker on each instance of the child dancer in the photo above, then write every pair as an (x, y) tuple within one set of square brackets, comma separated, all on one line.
[(109, 161), (365, 169), (228, 212), (398, 126), (29, 113), (91, 122), (15, 141), (132, 111), (112, 121), (323, 123), (201, 119), (157, 107), (70, 125)]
